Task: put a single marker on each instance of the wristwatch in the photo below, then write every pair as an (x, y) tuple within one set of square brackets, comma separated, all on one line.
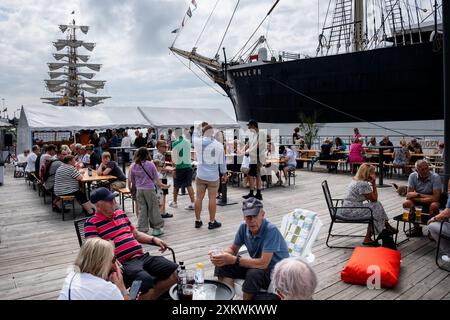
[(238, 260)]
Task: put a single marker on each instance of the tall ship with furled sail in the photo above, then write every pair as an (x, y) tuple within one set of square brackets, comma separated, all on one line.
[(377, 60), (71, 77)]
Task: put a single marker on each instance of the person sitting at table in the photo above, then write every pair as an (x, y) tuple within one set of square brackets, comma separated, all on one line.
[(96, 275), (402, 156), (326, 153), (339, 149), (270, 166), (294, 279), (266, 247), (415, 148), (288, 162), (363, 188), (109, 167), (356, 152), (77, 152), (372, 142), (424, 189), (84, 158), (49, 178), (31, 160), (156, 272), (67, 183), (434, 226), (94, 159)]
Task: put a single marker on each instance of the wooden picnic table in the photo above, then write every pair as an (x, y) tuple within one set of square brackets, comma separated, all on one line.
[(87, 179)]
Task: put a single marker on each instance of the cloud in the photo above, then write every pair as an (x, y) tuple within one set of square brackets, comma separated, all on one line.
[(132, 39)]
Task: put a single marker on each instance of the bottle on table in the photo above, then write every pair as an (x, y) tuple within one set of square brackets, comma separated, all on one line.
[(199, 275), (181, 279)]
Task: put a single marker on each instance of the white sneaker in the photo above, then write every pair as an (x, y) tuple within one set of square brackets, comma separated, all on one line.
[(173, 204), (445, 258), (189, 207)]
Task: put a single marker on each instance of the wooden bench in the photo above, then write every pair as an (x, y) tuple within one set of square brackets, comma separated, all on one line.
[(64, 200), (125, 193), (336, 162)]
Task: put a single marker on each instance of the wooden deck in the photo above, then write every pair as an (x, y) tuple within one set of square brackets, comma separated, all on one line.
[(37, 247)]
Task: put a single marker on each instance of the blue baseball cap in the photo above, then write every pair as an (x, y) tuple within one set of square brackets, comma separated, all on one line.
[(251, 207), (102, 194)]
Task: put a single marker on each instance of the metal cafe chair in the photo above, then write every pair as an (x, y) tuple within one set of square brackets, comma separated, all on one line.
[(79, 229), (334, 208), (445, 237)]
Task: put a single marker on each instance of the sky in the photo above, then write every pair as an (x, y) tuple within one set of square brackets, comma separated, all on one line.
[(132, 39)]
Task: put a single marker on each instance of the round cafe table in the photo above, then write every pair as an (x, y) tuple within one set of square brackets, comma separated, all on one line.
[(223, 292)]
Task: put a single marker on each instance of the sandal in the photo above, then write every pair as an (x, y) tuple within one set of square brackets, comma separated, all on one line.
[(166, 215), (370, 243)]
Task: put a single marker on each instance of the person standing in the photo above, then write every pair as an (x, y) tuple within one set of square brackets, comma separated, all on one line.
[(161, 147), (144, 176), (126, 143), (182, 175), (211, 163), (257, 145)]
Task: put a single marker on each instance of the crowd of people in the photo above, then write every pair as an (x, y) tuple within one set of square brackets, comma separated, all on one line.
[(113, 256)]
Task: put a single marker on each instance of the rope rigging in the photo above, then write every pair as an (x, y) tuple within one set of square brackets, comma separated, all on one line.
[(257, 28), (228, 26), (206, 23), (335, 109)]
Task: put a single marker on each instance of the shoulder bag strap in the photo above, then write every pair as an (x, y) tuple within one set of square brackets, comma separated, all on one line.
[(146, 172)]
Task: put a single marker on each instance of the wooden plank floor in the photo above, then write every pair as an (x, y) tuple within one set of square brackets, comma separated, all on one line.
[(37, 247)]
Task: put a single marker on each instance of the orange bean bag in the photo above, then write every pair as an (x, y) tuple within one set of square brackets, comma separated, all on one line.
[(373, 267)]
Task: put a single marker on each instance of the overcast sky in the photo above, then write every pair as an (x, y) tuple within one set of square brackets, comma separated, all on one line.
[(132, 39)]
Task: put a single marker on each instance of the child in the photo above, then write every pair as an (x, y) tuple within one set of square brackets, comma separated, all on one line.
[(161, 193)]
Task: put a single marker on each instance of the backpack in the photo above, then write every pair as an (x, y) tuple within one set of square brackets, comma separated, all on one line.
[(45, 171)]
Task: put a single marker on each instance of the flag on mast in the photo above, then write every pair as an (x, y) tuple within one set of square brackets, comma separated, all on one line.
[(189, 12)]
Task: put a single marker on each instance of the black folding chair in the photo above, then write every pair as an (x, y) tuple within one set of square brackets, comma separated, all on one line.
[(79, 228), (445, 237), (334, 209)]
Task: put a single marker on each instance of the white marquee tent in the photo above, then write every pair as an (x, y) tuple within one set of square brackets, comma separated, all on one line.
[(52, 118)]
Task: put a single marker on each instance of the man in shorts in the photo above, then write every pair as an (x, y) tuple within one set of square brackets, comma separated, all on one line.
[(182, 175), (211, 162), (288, 162), (257, 145), (156, 272)]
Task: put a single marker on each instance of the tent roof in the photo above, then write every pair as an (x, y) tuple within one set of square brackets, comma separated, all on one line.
[(68, 118), (186, 117), (47, 117)]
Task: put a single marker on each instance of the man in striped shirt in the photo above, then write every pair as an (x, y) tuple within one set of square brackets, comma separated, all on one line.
[(157, 273)]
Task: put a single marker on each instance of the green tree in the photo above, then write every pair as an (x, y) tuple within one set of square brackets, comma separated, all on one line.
[(308, 125)]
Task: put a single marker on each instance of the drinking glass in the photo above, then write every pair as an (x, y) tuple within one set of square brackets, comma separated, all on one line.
[(418, 213), (405, 216), (216, 251), (188, 292)]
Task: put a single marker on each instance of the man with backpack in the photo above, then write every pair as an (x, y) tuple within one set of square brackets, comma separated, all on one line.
[(49, 155)]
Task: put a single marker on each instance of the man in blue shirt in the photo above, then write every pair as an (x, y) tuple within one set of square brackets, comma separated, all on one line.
[(265, 244)]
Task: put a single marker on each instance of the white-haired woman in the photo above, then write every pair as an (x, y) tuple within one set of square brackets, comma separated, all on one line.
[(97, 274), (362, 192), (294, 279)]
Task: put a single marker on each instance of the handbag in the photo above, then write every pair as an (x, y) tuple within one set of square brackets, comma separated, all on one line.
[(387, 239)]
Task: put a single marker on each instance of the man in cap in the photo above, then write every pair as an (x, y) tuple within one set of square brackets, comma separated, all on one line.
[(156, 272), (256, 149), (265, 244)]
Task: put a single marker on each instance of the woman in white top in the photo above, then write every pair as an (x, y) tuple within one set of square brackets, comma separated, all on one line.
[(97, 274)]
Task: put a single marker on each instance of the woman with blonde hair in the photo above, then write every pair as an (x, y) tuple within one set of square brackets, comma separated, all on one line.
[(96, 275), (363, 188), (294, 279)]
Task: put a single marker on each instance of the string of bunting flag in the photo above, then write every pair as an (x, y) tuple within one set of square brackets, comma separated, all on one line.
[(192, 7)]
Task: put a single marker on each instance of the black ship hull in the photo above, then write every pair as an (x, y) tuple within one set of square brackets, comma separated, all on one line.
[(388, 84)]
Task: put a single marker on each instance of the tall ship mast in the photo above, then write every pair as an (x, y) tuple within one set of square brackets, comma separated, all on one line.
[(376, 60), (71, 76)]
